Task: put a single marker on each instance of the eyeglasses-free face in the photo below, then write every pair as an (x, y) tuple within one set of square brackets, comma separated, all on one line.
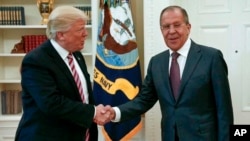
[(174, 29), (175, 26)]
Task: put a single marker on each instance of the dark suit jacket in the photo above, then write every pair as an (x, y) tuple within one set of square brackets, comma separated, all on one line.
[(203, 110), (52, 107)]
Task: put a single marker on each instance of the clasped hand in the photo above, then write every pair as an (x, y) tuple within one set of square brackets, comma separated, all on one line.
[(104, 114)]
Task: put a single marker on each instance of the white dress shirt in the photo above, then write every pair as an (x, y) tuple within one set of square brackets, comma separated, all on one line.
[(64, 53), (183, 51)]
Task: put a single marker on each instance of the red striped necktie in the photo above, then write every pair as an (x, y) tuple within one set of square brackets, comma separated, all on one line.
[(78, 83), (76, 76)]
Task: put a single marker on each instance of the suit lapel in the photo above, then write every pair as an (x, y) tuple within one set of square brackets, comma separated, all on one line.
[(80, 60), (58, 60), (193, 58), (165, 76), (61, 64)]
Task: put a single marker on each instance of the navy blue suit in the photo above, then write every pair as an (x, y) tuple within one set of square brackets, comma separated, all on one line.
[(52, 107), (203, 110)]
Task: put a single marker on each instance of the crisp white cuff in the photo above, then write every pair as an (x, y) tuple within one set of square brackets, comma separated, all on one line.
[(117, 114), (95, 112)]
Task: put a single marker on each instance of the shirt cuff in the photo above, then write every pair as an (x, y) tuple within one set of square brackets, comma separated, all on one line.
[(94, 112), (117, 114)]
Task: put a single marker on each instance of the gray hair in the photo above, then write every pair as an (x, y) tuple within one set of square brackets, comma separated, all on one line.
[(62, 18), (173, 7)]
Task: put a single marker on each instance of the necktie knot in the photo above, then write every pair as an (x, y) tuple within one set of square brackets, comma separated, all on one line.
[(175, 55), (70, 56)]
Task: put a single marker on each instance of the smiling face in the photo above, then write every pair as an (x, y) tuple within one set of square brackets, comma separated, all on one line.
[(74, 38), (174, 28)]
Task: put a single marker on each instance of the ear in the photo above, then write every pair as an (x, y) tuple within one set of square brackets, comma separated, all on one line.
[(60, 36), (189, 28)]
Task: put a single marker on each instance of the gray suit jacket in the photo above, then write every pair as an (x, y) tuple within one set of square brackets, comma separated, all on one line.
[(203, 110)]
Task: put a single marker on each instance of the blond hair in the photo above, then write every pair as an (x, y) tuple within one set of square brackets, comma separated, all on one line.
[(62, 18)]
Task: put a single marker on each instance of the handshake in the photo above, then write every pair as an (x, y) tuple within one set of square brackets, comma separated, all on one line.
[(104, 114)]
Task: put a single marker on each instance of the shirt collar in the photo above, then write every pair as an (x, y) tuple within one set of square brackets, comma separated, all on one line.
[(61, 51), (183, 51)]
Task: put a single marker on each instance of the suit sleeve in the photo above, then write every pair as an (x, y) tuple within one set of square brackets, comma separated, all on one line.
[(222, 96), (144, 101)]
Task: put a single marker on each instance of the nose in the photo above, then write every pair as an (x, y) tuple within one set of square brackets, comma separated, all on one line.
[(85, 33), (172, 29)]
